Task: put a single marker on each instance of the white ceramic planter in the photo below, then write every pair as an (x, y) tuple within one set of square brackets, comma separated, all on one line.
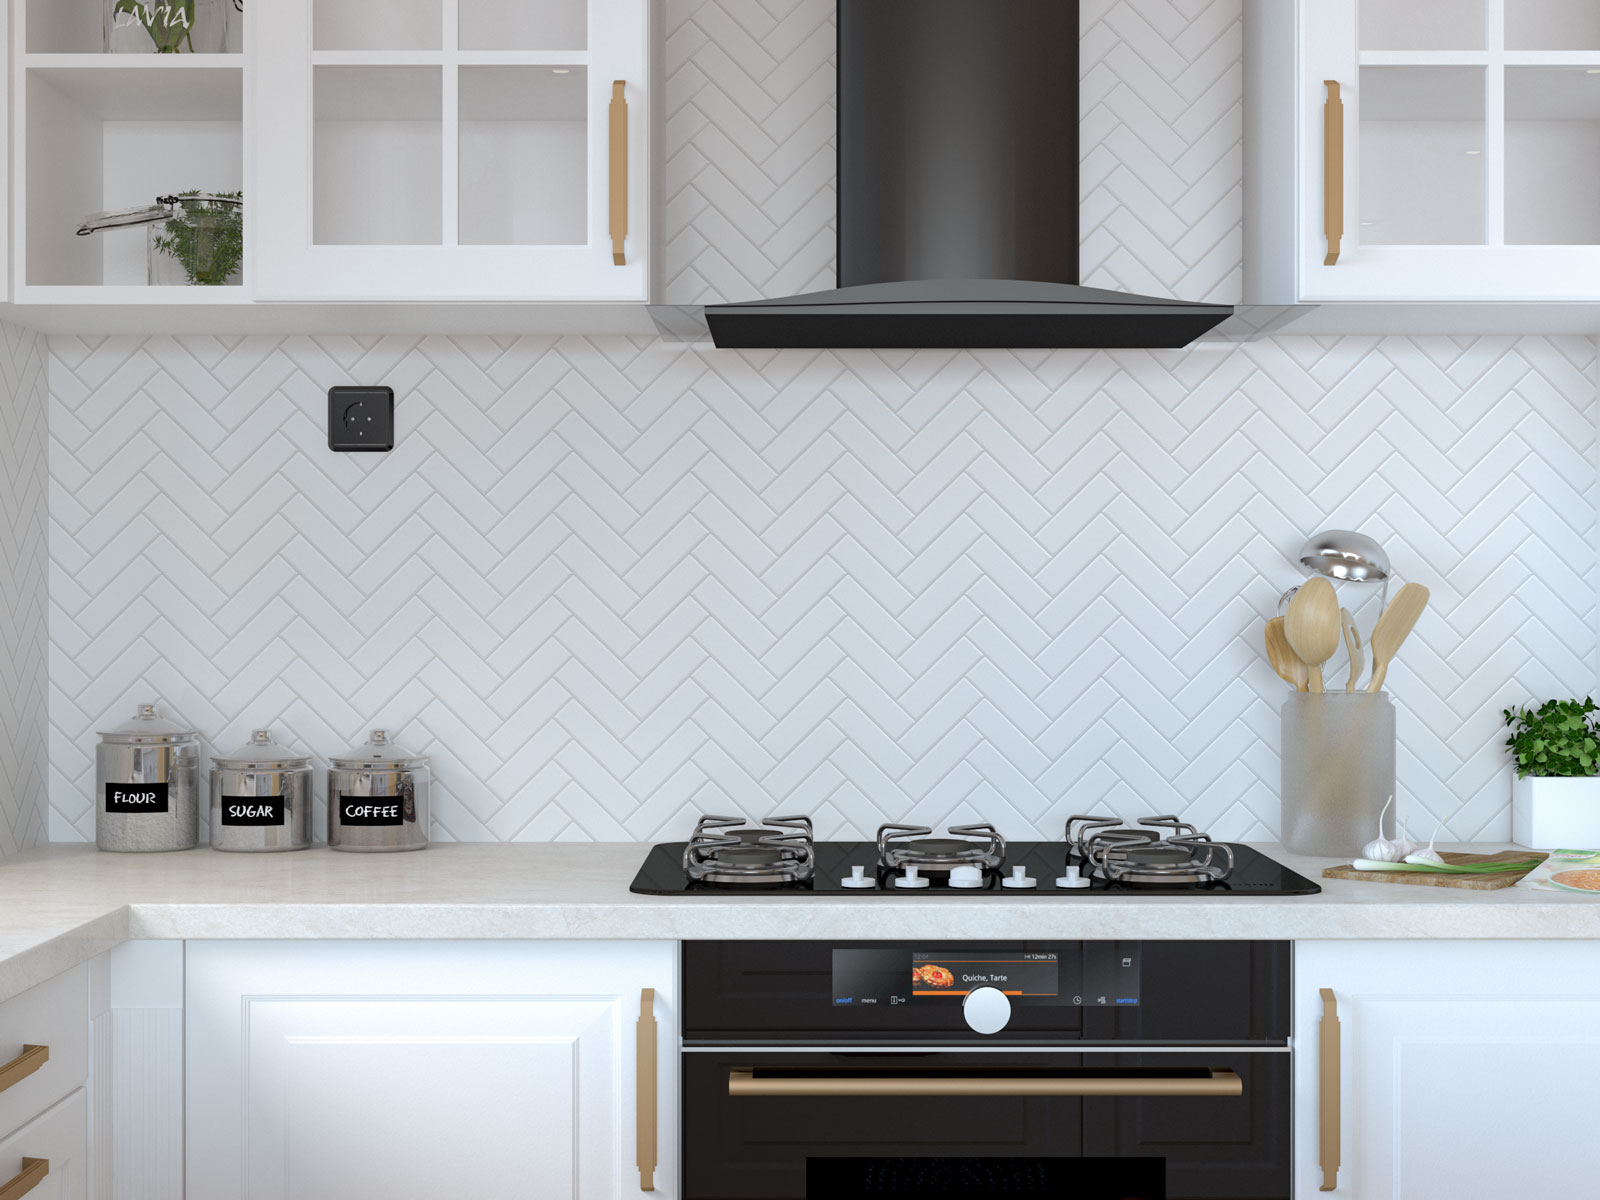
[(1556, 813)]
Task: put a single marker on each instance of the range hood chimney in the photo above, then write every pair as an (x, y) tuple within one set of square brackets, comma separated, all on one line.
[(958, 194)]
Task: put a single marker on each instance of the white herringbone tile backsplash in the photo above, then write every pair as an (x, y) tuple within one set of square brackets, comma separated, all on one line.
[(22, 589), (609, 583)]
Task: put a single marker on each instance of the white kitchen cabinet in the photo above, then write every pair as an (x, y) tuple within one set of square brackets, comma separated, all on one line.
[(49, 1156), (451, 149), (1470, 154), (1464, 1068), (401, 1069)]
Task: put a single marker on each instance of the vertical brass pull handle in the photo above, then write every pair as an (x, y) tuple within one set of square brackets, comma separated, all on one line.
[(1328, 1068), (619, 171), (25, 1180), (1333, 171), (645, 1081), (23, 1065)]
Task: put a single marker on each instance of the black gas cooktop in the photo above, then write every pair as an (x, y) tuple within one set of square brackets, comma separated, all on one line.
[(1252, 874)]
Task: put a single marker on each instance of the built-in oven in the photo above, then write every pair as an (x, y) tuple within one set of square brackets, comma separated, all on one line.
[(1124, 1070)]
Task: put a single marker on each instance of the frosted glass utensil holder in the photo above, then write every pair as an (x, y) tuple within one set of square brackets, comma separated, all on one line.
[(1338, 770)]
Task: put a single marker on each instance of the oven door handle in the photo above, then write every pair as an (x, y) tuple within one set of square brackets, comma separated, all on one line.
[(746, 1081)]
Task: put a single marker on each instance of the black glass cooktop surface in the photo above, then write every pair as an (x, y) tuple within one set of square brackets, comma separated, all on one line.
[(1254, 874)]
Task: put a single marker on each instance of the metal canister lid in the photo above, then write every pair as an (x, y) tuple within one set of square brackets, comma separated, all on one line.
[(262, 753), (379, 753), (148, 729)]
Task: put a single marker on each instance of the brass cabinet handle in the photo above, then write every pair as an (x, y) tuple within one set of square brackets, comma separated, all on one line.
[(1328, 1066), (645, 1076), (619, 171), (1333, 171), (746, 1081), (25, 1180), (23, 1065)]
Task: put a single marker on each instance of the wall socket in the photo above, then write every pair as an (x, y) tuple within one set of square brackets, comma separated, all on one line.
[(360, 418)]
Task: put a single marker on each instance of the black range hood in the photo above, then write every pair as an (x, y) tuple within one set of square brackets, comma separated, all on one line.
[(958, 194)]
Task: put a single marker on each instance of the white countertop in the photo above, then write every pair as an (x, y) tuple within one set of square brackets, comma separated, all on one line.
[(61, 905)]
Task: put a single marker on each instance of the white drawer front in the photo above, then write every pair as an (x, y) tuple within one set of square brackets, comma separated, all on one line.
[(54, 1014), (60, 1138)]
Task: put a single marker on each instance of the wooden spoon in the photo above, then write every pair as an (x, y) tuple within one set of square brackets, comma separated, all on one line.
[(1312, 625), (1283, 659), (1352, 643), (1393, 628)]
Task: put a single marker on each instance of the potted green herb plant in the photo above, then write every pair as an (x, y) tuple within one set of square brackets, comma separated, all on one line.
[(1555, 796)]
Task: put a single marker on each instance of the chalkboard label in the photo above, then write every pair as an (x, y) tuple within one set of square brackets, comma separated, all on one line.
[(252, 810), (370, 810), (136, 797)]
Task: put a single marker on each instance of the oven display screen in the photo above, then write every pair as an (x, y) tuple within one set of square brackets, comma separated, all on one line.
[(1104, 976)]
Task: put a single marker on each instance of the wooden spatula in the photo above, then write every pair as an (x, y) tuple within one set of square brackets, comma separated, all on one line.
[(1312, 625), (1393, 628), (1284, 660), (1352, 643)]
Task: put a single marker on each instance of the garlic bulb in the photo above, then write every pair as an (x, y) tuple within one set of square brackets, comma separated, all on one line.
[(1405, 842), (1430, 856), (1381, 849)]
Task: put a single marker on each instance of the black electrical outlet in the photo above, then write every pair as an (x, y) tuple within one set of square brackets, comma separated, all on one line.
[(360, 418)]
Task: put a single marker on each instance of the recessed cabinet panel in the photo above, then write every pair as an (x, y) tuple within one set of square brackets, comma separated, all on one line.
[(1422, 174), (1423, 24), (378, 137), (1552, 25), (1552, 156), (365, 25), (524, 24), (524, 156)]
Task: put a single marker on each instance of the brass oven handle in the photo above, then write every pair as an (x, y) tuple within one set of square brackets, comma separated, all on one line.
[(745, 1082), (25, 1180), (1328, 1067), (1332, 171), (645, 1082), (23, 1065), (619, 171)]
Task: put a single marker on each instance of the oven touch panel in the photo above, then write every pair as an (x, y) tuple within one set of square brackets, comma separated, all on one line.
[(1105, 975), (1031, 976)]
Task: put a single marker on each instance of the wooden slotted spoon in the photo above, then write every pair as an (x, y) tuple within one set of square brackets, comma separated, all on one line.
[(1352, 643), (1393, 628), (1284, 660), (1312, 625)]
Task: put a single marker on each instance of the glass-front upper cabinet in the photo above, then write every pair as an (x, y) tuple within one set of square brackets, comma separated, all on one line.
[(1441, 149), (452, 150)]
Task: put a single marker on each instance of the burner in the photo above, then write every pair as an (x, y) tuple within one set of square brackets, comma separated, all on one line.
[(725, 850), (1121, 855), (968, 845)]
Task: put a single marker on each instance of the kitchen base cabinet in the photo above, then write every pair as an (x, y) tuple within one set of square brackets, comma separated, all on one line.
[(1463, 1068), (58, 1139), (328, 1070)]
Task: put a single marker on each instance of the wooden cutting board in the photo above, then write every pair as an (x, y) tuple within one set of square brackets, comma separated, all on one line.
[(1476, 883)]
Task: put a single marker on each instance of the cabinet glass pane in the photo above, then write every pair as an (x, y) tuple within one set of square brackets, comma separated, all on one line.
[(365, 25), (1552, 156), (524, 24), (1423, 24), (1552, 25), (377, 156), (524, 156), (1421, 139)]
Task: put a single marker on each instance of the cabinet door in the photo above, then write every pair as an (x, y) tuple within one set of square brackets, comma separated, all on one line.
[(405, 1069), (1465, 1068), (1471, 150), (60, 1138), (452, 150)]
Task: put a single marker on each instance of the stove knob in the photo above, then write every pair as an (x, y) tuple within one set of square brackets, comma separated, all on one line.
[(1019, 878), (857, 879), (966, 877), (1072, 879), (910, 879), (986, 1009)]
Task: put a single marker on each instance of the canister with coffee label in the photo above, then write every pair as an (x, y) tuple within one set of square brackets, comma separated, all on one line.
[(261, 797), (146, 783), (378, 798)]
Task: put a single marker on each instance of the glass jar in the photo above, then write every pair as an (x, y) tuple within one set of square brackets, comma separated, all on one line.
[(166, 26), (194, 238)]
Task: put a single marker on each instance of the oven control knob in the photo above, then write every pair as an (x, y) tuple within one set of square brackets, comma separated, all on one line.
[(986, 1009), (911, 879)]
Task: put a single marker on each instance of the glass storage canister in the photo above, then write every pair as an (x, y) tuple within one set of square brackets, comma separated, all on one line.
[(191, 238), (1338, 770), (378, 798), (261, 797), (167, 26), (147, 784)]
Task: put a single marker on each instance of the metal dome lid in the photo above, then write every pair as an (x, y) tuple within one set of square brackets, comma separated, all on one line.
[(147, 728), (263, 753), (378, 753)]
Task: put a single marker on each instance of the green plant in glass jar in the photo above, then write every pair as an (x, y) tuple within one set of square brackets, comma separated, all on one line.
[(204, 235), (171, 26)]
